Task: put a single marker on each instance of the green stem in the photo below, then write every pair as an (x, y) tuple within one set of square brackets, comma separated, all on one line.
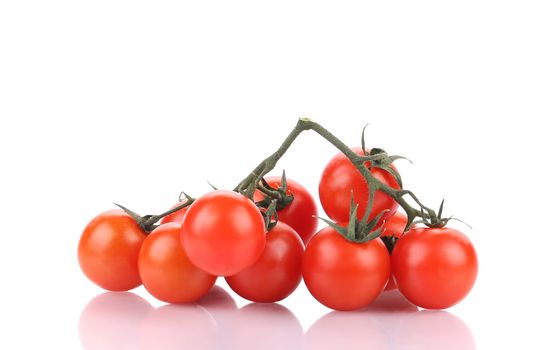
[(250, 183), (152, 220), (270, 193)]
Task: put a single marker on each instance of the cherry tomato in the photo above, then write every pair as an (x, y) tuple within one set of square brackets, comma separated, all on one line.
[(344, 275), (340, 180), (393, 302), (166, 271), (394, 226), (435, 268), (301, 214), (108, 251), (223, 233), (177, 216), (277, 273)]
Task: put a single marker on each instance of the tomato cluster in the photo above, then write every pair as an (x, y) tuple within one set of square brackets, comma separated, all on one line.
[(264, 255)]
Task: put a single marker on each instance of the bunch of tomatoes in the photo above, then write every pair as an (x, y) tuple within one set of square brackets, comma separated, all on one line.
[(264, 255)]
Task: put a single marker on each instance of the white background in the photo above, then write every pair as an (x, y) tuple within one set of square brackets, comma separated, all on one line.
[(135, 101)]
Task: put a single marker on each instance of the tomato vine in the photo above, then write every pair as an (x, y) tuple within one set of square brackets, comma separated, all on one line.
[(375, 158)]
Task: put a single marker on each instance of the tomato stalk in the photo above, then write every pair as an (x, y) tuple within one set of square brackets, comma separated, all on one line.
[(248, 186), (278, 198), (148, 222), (280, 194)]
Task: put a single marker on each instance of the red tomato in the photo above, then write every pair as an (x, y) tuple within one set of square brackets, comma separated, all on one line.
[(177, 216), (301, 214), (223, 233), (340, 180), (394, 226), (108, 251), (344, 275), (277, 273), (166, 271), (435, 268)]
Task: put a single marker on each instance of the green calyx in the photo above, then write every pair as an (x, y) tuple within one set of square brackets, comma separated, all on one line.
[(143, 221), (271, 194), (357, 231), (149, 222), (274, 200), (379, 158), (270, 215), (435, 221)]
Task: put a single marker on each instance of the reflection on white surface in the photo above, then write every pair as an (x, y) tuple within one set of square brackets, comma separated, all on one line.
[(266, 326), (390, 323), (435, 330), (126, 321), (178, 327), (223, 309), (345, 330), (112, 321)]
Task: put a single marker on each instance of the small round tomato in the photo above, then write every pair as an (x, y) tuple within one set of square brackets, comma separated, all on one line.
[(166, 271), (435, 268), (344, 275), (301, 214), (277, 273), (223, 233), (394, 226), (341, 180), (108, 251), (177, 216)]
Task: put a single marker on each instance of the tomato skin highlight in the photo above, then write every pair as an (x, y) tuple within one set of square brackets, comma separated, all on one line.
[(341, 179), (435, 268), (344, 275), (177, 216), (108, 251), (302, 213), (277, 272), (166, 271), (223, 233)]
